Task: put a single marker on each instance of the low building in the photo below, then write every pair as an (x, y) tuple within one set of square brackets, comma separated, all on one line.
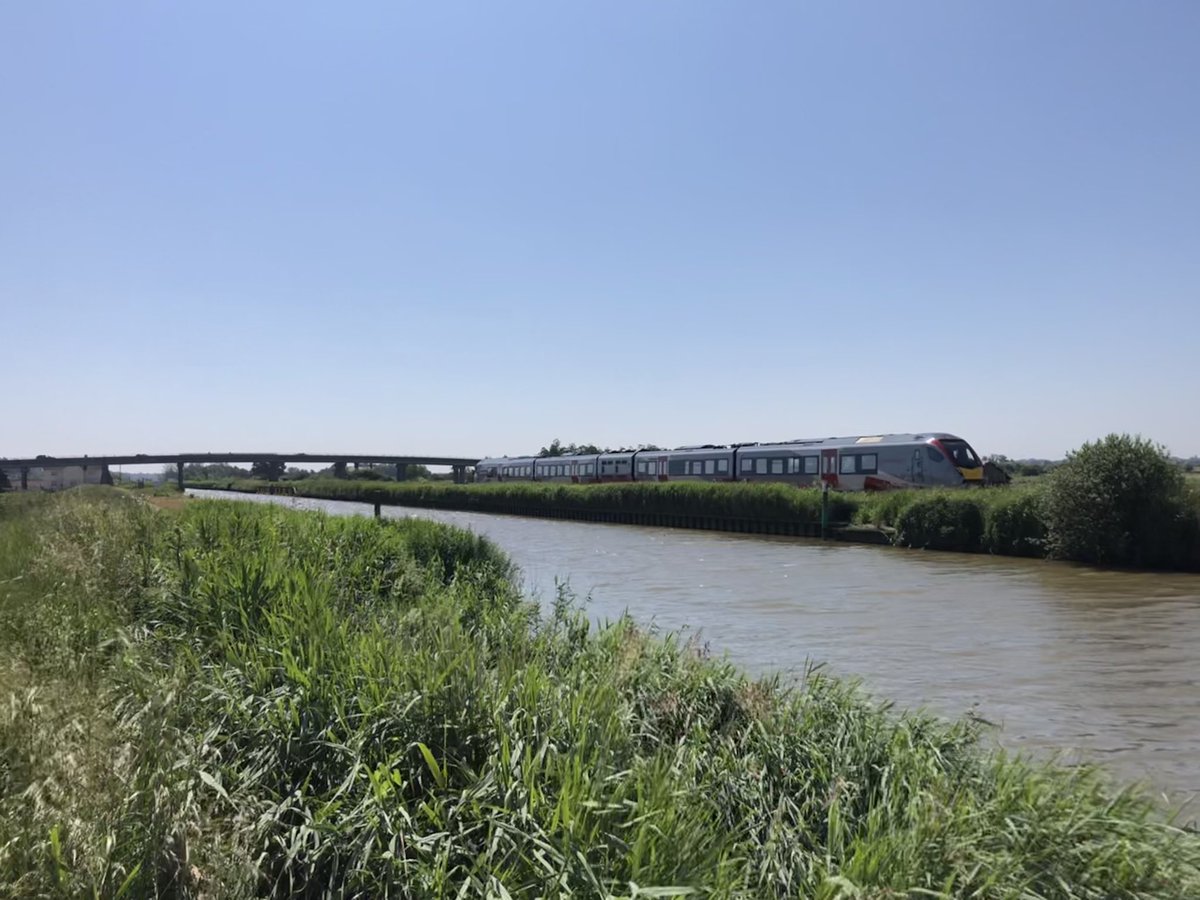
[(53, 478)]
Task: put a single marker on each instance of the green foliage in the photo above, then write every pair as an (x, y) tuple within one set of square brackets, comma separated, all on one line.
[(758, 501), (1014, 523), (942, 521), (557, 448), (368, 474), (270, 470), (242, 700), (1120, 501), (212, 471)]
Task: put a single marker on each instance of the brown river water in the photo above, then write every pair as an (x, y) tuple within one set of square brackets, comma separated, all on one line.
[(1071, 660)]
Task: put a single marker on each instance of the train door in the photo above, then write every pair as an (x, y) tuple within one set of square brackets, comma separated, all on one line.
[(829, 461), (918, 466), (574, 471), (662, 468)]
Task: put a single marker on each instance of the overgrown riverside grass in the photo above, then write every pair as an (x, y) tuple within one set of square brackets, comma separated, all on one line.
[(762, 502), (1009, 521), (230, 700)]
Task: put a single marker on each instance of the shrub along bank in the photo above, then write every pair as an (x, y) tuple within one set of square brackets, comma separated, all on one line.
[(229, 700)]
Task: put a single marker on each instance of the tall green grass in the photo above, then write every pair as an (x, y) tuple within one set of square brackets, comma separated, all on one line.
[(232, 700), (762, 502)]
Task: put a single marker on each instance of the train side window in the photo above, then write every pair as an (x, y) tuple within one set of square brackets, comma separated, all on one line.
[(760, 467), (641, 468), (934, 454), (677, 467), (868, 463), (722, 467), (793, 465), (747, 465), (652, 467), (811, 465), (710, 466), (847, 464), (777, 467)]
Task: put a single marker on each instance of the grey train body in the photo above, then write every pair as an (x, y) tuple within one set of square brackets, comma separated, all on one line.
[(866, 462)]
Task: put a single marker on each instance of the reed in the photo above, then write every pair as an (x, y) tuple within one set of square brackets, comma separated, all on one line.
[(239, 700)]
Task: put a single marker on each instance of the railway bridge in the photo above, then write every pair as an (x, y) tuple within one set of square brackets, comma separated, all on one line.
[(458, 465)]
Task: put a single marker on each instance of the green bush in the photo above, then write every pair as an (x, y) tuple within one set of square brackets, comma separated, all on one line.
[(939, 521), (1120, 501), (1014, 524)]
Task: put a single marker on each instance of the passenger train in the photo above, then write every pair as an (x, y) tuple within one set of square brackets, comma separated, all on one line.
[(865, 463)]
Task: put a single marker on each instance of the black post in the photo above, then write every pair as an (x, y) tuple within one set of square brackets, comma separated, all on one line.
[(179, 474), (401, 471), (24, 478), (378, 513), (825, 511)]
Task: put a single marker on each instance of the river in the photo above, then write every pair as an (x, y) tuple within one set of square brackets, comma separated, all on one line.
[(1093, 664)]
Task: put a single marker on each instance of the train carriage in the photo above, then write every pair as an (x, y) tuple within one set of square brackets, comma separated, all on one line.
[(865, 462)]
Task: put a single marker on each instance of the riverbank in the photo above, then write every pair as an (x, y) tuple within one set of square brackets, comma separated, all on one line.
[(236, 700), (1004, 521)]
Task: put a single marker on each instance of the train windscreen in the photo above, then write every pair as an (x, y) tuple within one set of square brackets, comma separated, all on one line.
[(961, 454)]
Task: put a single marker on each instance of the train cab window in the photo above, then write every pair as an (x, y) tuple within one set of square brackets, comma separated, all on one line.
[(847, 465), (961, 454), (747, 465), (760, 467), (710, 466), (811, 465), (868, 463), (722, 467), (777, 467)]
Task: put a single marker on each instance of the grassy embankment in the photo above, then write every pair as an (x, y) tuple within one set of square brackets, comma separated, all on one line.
[(1009, 521), (757, 502), (226, 700)]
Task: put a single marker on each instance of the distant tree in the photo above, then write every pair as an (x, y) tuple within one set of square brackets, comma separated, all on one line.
[(1120, 501), (365, 473), (1003, 462), (557, 448), (271, 470)]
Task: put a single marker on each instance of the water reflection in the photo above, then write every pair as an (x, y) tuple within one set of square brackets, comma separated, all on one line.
[(1093, 664)]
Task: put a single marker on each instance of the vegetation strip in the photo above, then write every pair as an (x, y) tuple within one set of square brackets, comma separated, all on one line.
[(1120, 501), (231, 700)]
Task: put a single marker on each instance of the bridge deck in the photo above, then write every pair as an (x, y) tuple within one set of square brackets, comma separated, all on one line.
[(298, 458)]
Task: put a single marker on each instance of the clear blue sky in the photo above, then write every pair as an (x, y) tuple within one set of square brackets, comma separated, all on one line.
[(470, 228)]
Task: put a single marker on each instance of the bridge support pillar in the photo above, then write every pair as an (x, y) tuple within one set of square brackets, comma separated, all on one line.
[(105, 475), (339, 469), (356, 465), (24, 478), (460, 474), (401, 471), (179, 474)]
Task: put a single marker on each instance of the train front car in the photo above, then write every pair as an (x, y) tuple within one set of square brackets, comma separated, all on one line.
[(960, 457)]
